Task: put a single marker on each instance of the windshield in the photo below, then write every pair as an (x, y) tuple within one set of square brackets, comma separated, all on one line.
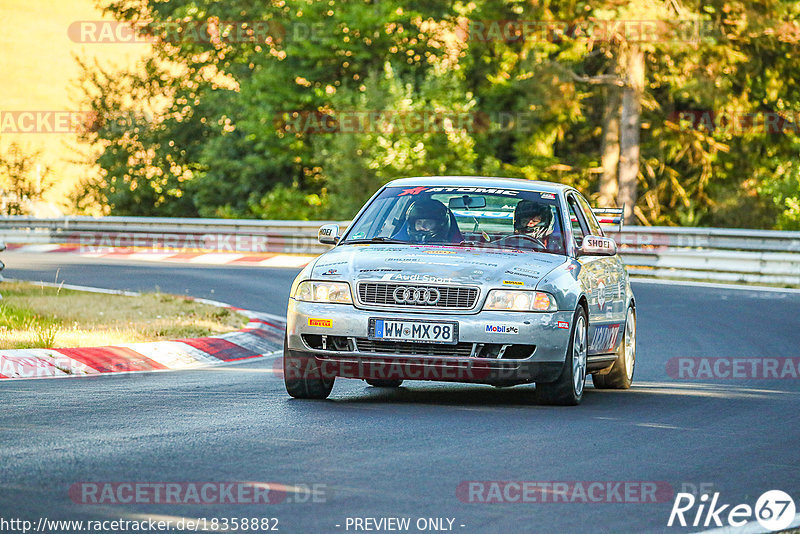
[(467, 216)]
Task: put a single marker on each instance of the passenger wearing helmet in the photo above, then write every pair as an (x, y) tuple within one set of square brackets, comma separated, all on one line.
[(428, 221), (535, 220)]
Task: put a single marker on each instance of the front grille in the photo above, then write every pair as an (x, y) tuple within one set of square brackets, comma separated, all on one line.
[(450, 297), (366, 345)]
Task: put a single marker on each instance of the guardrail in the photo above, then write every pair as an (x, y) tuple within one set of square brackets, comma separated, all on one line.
[(730, 255), (721, 254)]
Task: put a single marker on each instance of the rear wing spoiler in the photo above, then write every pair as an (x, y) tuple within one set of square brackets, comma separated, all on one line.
[(610, 216), (607, 217)]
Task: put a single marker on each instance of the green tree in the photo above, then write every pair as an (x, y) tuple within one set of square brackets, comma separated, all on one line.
[(199, 129), (22, 180)]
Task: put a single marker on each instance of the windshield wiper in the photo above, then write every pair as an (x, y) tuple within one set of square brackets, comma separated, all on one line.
[(466, 243), (378, 239), (493, 244)]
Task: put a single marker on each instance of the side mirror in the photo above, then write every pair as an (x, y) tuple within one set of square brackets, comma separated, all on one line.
[(594, 245), (328, 234)]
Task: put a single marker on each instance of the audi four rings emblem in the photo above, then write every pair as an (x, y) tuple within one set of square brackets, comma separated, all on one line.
[(416, 295)]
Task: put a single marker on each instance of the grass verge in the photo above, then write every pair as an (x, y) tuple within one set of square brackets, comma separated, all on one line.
[(34, 316)]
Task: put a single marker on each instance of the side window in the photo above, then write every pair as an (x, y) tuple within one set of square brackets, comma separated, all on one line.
[(594, 226), (575, 221)]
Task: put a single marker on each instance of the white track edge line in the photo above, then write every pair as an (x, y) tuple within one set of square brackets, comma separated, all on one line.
[(692, 283)]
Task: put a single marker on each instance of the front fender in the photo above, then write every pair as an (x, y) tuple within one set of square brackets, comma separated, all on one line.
[(564, 284)]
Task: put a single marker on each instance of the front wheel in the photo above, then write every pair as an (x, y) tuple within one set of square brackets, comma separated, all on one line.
[(621, 374), (303, 376), (567, 390)]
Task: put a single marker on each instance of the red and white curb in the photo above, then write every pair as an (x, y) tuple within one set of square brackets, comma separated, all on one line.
[(158, 255), (262, 336)]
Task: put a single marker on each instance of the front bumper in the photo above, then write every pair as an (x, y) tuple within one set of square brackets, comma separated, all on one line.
[(359, 358)]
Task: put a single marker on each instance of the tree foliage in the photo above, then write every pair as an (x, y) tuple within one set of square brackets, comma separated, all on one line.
[(22, 181), (201, 127)]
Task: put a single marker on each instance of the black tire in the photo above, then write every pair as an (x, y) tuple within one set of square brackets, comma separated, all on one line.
[(564, 391), (620, 376), (383, 383), (302, 375)]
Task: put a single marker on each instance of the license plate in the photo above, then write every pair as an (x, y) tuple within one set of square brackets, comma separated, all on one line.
[(421, 331)]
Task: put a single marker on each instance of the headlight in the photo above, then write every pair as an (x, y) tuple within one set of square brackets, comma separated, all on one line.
[(333, 292), (519, 300)]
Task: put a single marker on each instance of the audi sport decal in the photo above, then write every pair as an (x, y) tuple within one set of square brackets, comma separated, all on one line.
[(325, 323), (419, 278)]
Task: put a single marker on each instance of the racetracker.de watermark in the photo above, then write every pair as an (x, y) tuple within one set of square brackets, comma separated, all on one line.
[(188, 243), (398, 369), (737, 123), (401, 122), (564, 491), (733, 368), (206, 493), (210, 32), (46, 122), (637, 31)]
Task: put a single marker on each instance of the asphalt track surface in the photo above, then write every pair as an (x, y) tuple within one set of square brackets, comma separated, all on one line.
[(402, 453)]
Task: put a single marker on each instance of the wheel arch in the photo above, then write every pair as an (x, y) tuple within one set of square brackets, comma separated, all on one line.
[(584, 302)]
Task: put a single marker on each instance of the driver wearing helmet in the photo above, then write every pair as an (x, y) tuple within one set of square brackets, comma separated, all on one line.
[(535, 220), (428, 221)]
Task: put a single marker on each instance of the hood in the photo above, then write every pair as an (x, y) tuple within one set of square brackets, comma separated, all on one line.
[(436, 264)]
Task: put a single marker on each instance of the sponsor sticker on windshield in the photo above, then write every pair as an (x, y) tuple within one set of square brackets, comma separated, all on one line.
[(484, 190), (412, 191)]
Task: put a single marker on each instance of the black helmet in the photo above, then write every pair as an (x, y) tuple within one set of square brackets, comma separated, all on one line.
[(436, 217), (527, 210)]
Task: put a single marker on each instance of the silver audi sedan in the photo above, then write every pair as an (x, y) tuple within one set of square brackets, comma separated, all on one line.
[(465, 279)]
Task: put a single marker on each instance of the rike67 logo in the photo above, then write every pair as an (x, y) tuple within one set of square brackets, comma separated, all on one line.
[(774, 510)]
